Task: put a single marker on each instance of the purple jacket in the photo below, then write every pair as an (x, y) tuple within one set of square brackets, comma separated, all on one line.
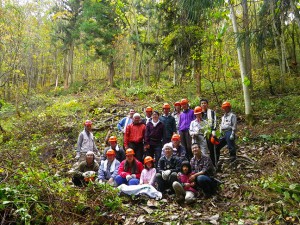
[(154, 135), (186, 117)]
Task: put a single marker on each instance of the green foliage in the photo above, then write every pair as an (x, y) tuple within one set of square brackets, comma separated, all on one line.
[(139, 91)]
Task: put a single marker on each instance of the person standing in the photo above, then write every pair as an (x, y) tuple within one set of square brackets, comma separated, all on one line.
[(169, 123), (176, 113), (228, 129), (154, 136), (148, 116), (86, 142), (197, 131), (113, 144), (134, 136), (123, 123), (186, 117), (109, 167), (210, 117)]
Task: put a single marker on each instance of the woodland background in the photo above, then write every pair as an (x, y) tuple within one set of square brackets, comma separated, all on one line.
[(62, 62)]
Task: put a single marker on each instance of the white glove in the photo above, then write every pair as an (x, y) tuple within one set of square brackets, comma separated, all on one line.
[(165, 174), (100, 181), (213, 133), (133, 176), (77, 156), (231, 136), (89, 174), (128, 177)]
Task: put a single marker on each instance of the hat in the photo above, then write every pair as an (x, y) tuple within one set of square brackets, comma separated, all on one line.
[(129, 151), (175, 137), (168, 145), (90, 153), (136, 115)]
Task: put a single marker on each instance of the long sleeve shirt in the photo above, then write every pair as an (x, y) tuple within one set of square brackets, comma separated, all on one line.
[(129, 171), (170, 125), (120, 153), (123, 123), (211, 118), (197, 127), (108, 170), (186, 117), (184, 178), (148, 176), (172, 164), (204, 164), (134, 133), (229, 122), (154, 134), (86, 142), (84, 167)]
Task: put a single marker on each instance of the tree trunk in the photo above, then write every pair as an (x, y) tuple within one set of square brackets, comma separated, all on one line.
[(247, 100), (197, 71), (111, 72), (295, 11)]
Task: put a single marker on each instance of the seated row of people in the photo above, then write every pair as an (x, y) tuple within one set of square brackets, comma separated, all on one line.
[(172, 175)]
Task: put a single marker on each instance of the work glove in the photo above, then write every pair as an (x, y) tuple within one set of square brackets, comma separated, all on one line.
[(133, 176), (213, 133), (128, 177), (165, 174), (231, 136), (77, 156), (89, 174)]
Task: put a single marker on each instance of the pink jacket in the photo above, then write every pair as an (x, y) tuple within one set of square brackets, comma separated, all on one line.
[(183, 178)]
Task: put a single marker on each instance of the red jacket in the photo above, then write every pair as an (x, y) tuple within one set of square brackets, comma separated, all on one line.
[(123, 173), (134, 133)]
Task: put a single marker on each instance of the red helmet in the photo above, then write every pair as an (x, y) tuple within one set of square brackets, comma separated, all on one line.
[(177, 104), (88, 123), (197, 110), (149, 109), (148, 159), (110, 152), (176, 137), (226, 104), (214, 140), (166, 106), (184, 101), (112, 139), (129, 151)]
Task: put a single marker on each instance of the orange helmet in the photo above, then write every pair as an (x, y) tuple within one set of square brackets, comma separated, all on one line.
[(88, 123), (176, 137), (184, 101), (112, 139), (177, 104), (148, 159), (214, 140), (129, 151), (110, 152), (226, 104), (197, 110), (148, 109), (166, 106)]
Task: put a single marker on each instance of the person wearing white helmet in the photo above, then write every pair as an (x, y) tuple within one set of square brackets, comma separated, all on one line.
[(86, 171), (86, 142)]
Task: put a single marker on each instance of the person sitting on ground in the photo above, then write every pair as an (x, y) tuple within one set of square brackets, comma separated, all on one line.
[(86, 142), (148, 116), (154, 137), (169, 123), (204, 171), (109, 168), (168, 167), (86, 170), (120, 153), (176, 113), (228, 129), (135, 135), (129, 170), (197, 131), (184, 188), (149, 172)]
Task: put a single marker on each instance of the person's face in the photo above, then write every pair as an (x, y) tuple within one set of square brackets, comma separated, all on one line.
[(196, 150), (136, 119), (184, 106), (166, 111), (129, 158), (89, 158), (226, 109), (113, 144), (178, 108), (155, 116), (148, 114), (168, 152), (110, 158), (149, 165), (88, 128), (131, 112), (199, 116), (204, 106), (175, 143), (185, 169)]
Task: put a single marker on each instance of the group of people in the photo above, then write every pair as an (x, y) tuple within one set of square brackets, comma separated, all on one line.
[(174, 152)]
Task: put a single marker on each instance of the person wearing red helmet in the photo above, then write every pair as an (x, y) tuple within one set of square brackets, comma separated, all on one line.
[(178, 149), (197, 131), (186, 117), (228, 129), (86, 142), (148, 173), (148, 116), (113, 144), (169, 122), (109, 167), (130, 170)]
